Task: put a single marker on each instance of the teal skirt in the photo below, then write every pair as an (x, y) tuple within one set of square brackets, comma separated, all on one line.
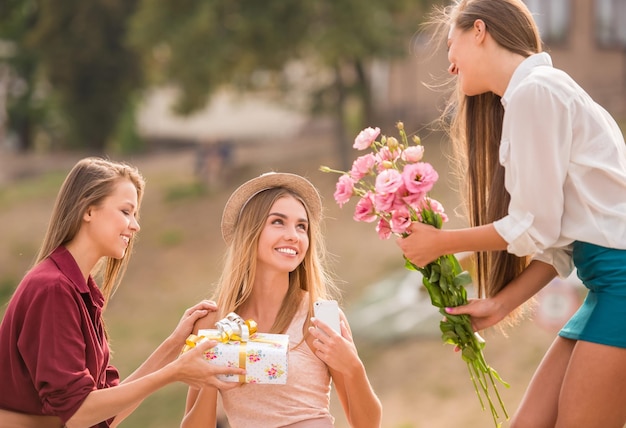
[(602, 316)]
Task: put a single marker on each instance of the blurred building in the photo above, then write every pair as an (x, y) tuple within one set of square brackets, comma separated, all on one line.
[(586, 38)]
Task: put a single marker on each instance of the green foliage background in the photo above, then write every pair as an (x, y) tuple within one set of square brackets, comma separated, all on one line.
[(81, 65)]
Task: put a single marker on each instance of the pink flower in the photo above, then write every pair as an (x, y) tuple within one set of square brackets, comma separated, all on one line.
[(384, 202), (386, 154), (413, 154), (364, 210), (419, 177), (400, 220), (344, 190), (388, 181), (362, 166), (383, 228), (393, 184), (366, 138), (414, 200)]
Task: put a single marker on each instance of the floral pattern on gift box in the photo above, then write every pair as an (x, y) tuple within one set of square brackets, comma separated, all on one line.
[(274, 371), (212, 354), (264, 356), (254, 356)]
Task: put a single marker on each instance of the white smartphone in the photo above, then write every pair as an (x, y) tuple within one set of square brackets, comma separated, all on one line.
[(327, 311)]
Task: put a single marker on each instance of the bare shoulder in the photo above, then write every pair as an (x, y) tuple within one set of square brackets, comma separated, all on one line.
[(208, 321)]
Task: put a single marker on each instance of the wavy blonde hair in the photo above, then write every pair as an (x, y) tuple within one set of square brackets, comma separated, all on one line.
[(89, 182), (475, 127), (235, 284)]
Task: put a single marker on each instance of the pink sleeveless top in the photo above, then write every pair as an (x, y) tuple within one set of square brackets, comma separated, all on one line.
[(303, 401)]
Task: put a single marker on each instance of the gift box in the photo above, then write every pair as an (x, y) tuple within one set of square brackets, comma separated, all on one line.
[(263, 355)]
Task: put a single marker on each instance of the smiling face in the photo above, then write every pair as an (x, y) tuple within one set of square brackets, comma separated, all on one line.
[(284, 239), (112, 223)]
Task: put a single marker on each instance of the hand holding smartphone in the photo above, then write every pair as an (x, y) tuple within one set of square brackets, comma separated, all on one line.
[(327, 311)]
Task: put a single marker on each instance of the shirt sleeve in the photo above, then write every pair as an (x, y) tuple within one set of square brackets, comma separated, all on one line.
[(52, 345), (535, 151), (560, 258)]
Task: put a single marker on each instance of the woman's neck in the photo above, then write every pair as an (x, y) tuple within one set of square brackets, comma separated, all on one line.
[(264, 303), (508, 62), (85, 259)]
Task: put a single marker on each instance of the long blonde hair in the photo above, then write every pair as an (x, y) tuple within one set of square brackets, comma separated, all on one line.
[(476, 130), (235, 284), (89, 182)]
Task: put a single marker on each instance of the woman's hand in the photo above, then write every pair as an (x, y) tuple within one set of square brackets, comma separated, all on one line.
[(489, 311), (192, 369), (426, 243), (337, 351), (423, 244), (190, 316), (484, 313)]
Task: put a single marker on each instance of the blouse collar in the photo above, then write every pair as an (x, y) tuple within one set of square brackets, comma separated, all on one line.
[(523, 70)]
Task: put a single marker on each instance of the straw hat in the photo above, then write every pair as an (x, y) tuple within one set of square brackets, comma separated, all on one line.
[(240, 197)]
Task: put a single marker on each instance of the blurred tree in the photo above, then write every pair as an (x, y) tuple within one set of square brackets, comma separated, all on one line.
[(78, 48), (347, 37), (200, 45), (25, 113)]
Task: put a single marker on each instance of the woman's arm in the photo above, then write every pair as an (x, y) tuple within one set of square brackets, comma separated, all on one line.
[(163, 367), (201, 404), (200, 408), (490, 311), (169, 349), (426, 243), (190, 368), (360, 404)]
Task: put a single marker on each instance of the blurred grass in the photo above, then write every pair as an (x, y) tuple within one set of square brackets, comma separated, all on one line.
[(33, 188)]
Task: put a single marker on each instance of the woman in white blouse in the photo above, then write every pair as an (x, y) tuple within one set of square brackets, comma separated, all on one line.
[(546, 192)]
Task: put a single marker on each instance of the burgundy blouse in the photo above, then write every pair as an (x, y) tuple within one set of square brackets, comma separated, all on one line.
[(53, 349)]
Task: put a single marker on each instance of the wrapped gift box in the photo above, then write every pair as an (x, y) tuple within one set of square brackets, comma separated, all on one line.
[(264, 356)]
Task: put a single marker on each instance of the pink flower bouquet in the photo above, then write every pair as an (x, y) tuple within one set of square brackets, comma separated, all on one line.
[(392, 183)]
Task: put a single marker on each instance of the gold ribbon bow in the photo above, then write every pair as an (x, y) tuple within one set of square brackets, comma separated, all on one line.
[(231, 328)]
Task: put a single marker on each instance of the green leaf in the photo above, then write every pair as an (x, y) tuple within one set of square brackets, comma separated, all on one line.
[(409, 265), (450, 337), (447, 268), (446, 326), (427, 217), (462, 332), (443, 284), (463, 279), (497, 376), (434, 276), (468, 354), (454, 262), (434, 293), (438, 221)]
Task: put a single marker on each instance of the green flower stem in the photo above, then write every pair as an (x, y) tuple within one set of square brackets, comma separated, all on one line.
[(445, 282)]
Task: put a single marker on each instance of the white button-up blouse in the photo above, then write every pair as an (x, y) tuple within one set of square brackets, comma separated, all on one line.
[(565, 163)]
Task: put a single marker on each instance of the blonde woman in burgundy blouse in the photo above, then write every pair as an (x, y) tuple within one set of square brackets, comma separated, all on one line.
[(54, 354)]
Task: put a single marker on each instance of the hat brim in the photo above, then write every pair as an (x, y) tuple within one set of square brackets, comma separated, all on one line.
[(242, 195)]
